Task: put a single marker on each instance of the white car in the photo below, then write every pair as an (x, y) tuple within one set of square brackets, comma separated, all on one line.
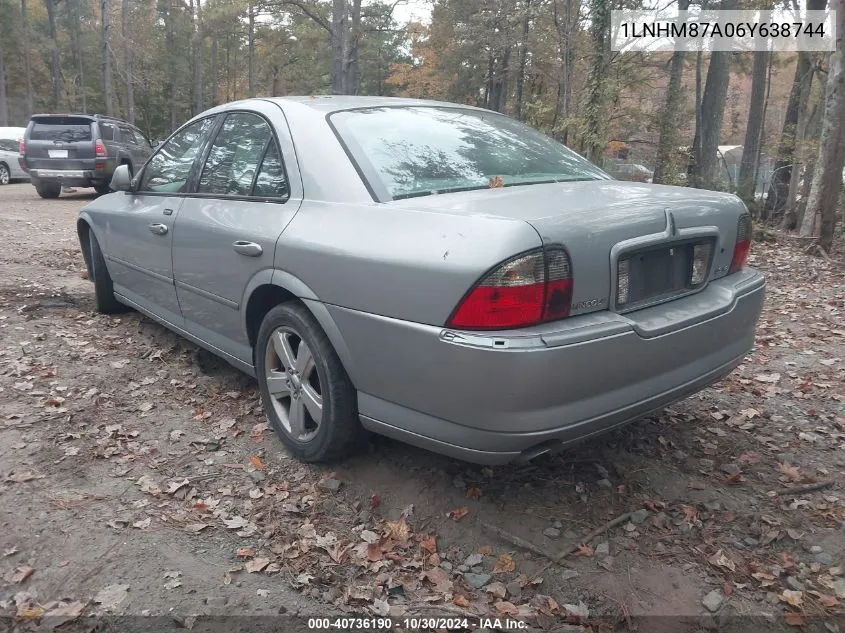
[(10, 168)]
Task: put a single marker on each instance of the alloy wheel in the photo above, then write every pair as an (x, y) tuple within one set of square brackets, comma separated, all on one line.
[(294, 384), (4, 175)]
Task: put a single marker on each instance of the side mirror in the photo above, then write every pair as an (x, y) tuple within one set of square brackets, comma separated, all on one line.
[(121, 180)]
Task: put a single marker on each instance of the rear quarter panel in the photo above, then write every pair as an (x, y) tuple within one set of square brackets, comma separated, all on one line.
[(406, 264)]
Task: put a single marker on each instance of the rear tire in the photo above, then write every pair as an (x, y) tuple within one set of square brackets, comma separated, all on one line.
[(5, 174), (102, 189), (48, 190), (103, 286), (308, 382)]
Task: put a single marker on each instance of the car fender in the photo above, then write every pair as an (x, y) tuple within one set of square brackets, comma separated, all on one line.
[(303, 292), (85, 216)]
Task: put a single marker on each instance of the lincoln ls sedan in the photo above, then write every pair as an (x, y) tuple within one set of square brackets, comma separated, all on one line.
[(436, 273)]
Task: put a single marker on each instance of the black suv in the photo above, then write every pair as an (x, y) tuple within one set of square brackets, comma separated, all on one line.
[(79, 150)]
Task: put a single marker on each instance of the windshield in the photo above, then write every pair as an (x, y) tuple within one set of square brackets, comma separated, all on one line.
[(68, 129), (418, 151)]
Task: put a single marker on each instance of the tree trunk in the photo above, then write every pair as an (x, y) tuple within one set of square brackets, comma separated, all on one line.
[(777, 196), (754, 129), (338, 37), (199, 52), (215, 95), (55, 68), (790, 217), (105, 60), (820, 216), (127, 62), (350, 64), (27, 65), (712, 112), (593, 141), (670, 118), (567, 60), (251, 51), (171, 88), (523, 59), (4, 104)]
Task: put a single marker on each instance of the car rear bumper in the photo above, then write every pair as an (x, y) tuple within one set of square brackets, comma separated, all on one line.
[(495, 397)]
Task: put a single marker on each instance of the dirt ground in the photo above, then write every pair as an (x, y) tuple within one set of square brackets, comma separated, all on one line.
[(138, 478)]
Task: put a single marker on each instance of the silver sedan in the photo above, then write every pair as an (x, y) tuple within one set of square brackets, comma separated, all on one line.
[(432, 272)]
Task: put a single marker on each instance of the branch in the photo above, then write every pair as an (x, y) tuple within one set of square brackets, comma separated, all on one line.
[(302, 7)]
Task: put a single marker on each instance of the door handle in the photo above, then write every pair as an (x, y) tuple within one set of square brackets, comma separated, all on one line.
[(250, 249), (158, 229)]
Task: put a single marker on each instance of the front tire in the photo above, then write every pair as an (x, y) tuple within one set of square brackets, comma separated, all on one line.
[(49, 190), (5, 174), (306, 392), (103, 286)]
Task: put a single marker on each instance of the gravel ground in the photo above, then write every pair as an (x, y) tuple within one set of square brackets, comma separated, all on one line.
[(138, 477)]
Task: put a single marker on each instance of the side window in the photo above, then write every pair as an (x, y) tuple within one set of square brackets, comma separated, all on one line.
[(106, 132), (170, 167), (8, 145), (272, 181), (140, 139), (126, 135), (234, 157)]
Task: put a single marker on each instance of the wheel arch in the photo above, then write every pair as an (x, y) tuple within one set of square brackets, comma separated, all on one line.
[(268, 288)]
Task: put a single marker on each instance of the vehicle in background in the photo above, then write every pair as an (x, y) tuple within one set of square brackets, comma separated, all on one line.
[(632, 172), (79, 150), (10, 168)]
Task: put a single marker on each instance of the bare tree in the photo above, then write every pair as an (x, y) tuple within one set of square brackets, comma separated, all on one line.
[(250, 39), (667, 145), (820, 214), (198, 52), (105, 58), (27, 65), (55, 68), (754, 129), (523, 58), (4, 104), (127, 62)]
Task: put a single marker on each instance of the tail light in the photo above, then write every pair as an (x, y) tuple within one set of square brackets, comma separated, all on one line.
[(21, 147), (743, 243), (527, 290), (100, 149)]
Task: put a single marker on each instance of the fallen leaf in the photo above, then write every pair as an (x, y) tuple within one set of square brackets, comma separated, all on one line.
[(245, 552), (256, 461), (10, 551), (793, 618), (429, 544), (196, 527), (64, 612), (506, 608), (719, 559), (439, 578), (235, 523), (19, 575), (461, 601), (793, 473), (792, 598), (256, 564), (497, 589), (398, 531), (827, 601), (458, 513), (504, 564), (584, 550), (23, 477), (143, 524), (473, 492), (769, 378)]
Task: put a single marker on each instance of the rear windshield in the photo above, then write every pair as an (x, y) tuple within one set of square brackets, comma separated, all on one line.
[(68, 129), (418, 151)]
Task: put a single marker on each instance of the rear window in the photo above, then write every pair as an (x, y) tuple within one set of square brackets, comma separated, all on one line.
[(405, 152), (68, 129)]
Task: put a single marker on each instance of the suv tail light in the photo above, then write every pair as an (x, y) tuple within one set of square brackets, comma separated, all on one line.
[(100, 149), (21, 147), (523, 291), (743, 243)]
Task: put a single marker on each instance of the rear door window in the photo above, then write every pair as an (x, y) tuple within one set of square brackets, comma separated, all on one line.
[(235, 155), (68, 129), (106, 131)]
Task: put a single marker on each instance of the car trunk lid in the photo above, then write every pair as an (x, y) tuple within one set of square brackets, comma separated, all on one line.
[(658, 230)]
